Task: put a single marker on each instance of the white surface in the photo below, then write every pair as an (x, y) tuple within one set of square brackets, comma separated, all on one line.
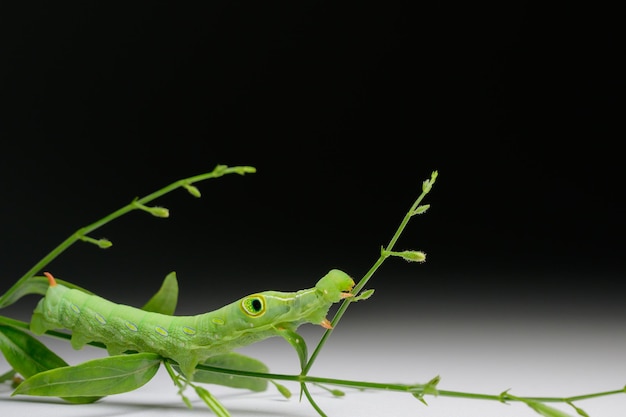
[(533, 359)]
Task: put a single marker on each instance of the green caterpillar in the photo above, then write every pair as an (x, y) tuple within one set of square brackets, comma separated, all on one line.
[(188, 340)]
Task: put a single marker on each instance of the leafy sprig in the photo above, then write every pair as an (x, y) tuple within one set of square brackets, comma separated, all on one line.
[(121, 373)]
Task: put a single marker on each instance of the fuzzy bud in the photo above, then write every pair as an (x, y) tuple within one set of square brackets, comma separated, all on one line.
[(410, 255), (421, 209)]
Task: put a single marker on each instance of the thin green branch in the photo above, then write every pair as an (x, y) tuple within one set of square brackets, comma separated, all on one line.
[(81, 234), (407, 388), (425, 389), (385, 253), (309, 397), (417, 390)]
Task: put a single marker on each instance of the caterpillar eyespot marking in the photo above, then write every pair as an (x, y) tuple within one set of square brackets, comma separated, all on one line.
[(254, 305), (242, 322)]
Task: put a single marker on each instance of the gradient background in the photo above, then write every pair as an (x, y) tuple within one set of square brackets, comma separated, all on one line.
[(344, 111)]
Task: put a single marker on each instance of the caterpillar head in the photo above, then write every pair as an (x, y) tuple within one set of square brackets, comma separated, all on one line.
[(273, 309), (335, 286)]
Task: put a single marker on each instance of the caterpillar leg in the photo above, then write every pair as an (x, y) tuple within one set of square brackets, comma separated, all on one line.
[(38, 322), (187, 366)]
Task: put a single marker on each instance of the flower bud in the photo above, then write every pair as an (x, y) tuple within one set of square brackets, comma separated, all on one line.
[(192, 190), (157, 211), (104, 243), (428, 184), (411, 255)]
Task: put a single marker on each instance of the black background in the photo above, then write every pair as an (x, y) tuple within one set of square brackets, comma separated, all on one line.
[(344, 110)]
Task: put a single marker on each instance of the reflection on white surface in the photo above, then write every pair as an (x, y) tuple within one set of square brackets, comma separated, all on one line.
[(529, 358)]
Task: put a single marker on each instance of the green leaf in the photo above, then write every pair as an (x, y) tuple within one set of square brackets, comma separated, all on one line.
[(364, 295), (211, 402), (34, 285), (165, 300), (297, 342), (420, 397), (8, 375), (235, 361), (429, 388), (97, 377), (29, 357)]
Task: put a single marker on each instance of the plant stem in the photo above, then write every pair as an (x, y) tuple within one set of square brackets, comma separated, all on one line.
[(309, 397), (363, 281), (81, 234), (302, 379), (414, 389)]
